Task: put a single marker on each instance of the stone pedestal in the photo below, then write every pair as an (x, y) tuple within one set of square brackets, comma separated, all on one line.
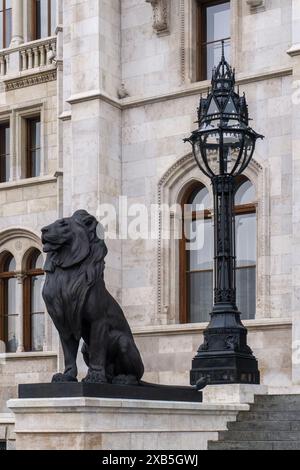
[(105, 424), (230, 394)]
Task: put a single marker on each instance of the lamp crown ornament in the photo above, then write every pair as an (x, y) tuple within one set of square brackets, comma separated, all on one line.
[(223, 99), (224, 142)]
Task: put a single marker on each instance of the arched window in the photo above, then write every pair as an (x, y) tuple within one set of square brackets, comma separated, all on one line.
[(196, 256), (8, 304), (34, 321), (245, 220), (196, 259)]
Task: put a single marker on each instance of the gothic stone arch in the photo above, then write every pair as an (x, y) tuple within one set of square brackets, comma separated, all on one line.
[(170, 190)]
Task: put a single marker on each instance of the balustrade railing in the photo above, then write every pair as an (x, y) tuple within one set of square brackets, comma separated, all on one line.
[(29, 56)]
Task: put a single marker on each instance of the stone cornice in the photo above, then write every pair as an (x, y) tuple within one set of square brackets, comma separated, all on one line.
[(294, 50), (196, 328), (187, 90), (201, 87), (29, 355), (94, 95), (23, 81), (28, 182), (65, 116)]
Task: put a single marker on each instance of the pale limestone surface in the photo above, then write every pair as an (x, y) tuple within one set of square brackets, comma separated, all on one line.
[(239, 394), (96, 147), (21, 369), (7, 427), (174, 347), (99, 424)]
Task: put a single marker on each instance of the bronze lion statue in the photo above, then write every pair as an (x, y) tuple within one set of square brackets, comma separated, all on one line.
[(81, 307)]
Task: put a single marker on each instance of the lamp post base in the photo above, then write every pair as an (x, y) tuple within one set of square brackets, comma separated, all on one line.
[(224, 367)]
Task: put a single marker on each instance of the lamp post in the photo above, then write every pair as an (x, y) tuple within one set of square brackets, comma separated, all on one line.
[(223, 146)]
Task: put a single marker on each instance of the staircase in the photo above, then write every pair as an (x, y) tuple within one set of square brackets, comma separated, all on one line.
[(273, 423)]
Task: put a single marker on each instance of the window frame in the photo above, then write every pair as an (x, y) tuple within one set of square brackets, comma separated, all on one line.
[(5, 276), (27, 298), (4, 25), (30, 149), (244, 209), (35, 21), (5, 124), (201, 35), (184, 306)]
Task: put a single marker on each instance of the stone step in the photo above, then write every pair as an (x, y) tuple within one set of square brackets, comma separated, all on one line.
[(247, 416), (264, 426), (275, 407), (248, 436), (277, 399), (254, 445)]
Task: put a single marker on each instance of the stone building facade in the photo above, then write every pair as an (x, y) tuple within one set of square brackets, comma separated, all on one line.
[(97, 102)]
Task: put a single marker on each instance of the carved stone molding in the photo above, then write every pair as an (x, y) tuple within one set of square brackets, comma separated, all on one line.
[(161, 16), (36, 79), (256, 5)]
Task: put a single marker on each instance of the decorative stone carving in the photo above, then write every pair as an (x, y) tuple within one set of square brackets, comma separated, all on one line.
[(161, 16), (256, 5), (36, 79), (122, 92), (18, 245)]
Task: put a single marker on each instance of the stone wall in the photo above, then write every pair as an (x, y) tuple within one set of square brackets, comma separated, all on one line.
[(168, 351), (21, 369)]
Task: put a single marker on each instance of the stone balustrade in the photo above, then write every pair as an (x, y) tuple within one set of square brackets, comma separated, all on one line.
[(27, 57), (4, 60)]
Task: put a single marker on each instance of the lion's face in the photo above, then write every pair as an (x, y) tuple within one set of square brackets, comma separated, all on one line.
[(68, 241), (56, 235)]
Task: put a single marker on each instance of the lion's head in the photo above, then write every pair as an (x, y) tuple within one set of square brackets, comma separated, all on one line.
[(70, 241)]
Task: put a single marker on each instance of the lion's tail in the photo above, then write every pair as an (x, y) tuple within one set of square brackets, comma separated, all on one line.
[(86, 354)]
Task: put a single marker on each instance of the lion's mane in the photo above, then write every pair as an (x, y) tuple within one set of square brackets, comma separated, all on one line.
[(72, 271)]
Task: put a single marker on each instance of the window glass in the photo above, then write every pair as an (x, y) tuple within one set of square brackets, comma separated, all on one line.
[(8, 24), (201, 258), (200, 197), (4, 152), (200, 296), (214, 27), (36, 308), (5, 23), (218, 22), (34, 148), (8, 303), (245, 194), (45, 18), (197, 270), (11, 345), (246, 246), (1, 30), (53, 17)]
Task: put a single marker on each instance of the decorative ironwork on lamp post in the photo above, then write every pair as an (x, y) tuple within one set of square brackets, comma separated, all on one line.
[(223, 146)]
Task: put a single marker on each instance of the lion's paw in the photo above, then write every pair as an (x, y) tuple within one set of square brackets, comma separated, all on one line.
[(63, 378), (95, 377)]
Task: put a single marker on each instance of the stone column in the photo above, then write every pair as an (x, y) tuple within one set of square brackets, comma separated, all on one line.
[(17, 23), (92, 139), (19, 308), (294, 52)]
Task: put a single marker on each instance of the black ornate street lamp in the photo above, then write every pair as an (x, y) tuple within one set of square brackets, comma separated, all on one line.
[(223, 146)]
